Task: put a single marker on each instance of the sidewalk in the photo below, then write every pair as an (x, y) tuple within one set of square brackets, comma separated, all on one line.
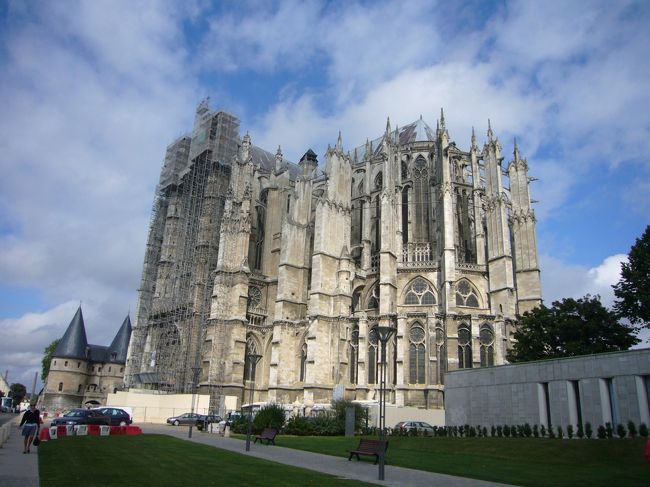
[(16, 468), (337, 466)]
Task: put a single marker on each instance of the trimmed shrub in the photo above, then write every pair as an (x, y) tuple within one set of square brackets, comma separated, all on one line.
[(528, 431), (602, 432), (536, 431), (569, 431), (609, 430), (493, 431), (472, 432), (560, 433), (631, 428), (506, 431), (551, 433), (542, 431), (269, 416), (588, 431), (499, 431), (621, 431), (485, 432), (360, 414), (581, 432), (300, 426), (240, 425), (643, 430)]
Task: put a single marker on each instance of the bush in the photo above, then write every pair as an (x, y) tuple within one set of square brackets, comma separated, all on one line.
[(360, 414), (560, 433), (472, 432), (536, 431), (542, 431), (240, 425), (506, 431), (528, 431), (609, 430), (621, 431), (588, 431), (270, 416), (493, 431), (631, 428), (581, 431), (485, 431), (643, 430), (602, 432), (299, 425), (569, 431), (499, 431)]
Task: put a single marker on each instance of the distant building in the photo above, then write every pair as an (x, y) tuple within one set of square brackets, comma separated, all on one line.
[(251, 254), (602, 388), (83, 374)]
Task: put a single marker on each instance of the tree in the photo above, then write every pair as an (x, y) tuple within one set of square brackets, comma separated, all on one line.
[(17, 392), (47, 358), (633, 289), (568, 328)]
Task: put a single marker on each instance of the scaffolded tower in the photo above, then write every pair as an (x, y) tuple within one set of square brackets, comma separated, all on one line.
[(182, 250)]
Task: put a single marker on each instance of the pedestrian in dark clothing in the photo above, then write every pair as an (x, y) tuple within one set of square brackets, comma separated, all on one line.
[(30, 423)]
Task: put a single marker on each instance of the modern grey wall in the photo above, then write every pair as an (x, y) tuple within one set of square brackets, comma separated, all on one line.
[(609, 387)]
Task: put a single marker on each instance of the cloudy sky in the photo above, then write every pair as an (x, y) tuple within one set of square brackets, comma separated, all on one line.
[(92, 92)]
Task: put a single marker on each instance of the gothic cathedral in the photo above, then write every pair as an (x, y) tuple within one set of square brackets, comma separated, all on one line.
[(252, 255)]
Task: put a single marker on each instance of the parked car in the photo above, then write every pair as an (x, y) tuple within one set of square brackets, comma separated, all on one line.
[(418, 426), (186, 418), (207, 419), (81, 416), (117, 417)]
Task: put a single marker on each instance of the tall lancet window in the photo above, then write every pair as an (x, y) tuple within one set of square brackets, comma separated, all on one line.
[(486, 339), (464, 347), (417, 354), (250, 367), (354, 355), (373, 356), (303, 362), (420, 201)]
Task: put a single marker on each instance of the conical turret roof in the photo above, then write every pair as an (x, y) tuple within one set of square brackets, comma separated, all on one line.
[(73, 344), (117, 351)]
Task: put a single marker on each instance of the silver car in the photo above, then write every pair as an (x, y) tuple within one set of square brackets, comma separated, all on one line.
[(418, 426)]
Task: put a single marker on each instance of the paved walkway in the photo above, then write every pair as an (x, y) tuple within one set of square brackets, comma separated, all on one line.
[(337, 466), (17, 469)]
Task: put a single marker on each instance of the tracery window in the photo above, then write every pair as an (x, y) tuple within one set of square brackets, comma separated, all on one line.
[(379, 181), (466, 295), (354, 355), (417, 354), (303, 362), (254, 297), (419, 292), (250, 367), (486, 339), (404, 170), (464, 347), (420, 200), (373, 300), (373, 356)]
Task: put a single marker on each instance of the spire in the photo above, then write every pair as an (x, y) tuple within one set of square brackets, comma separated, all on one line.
[(116, 353), (388, 130), (474, 145), (339, 142), (279, 160), (442, 119), (490, 134), (73, 343), (397, 134), (356, 159), (516, 151)]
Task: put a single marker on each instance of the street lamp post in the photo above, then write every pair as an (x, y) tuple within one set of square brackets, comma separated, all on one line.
[(252, 359), (384, 333)]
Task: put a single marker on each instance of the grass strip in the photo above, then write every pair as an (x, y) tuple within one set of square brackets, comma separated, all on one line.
[(163, 461), (530, 462)]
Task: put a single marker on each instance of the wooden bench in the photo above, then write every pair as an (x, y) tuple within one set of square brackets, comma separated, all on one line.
[(370, 447), (267, 434)]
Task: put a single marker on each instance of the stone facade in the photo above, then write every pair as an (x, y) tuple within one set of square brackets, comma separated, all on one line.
[(406, 230), (82, 374), (604, 388)]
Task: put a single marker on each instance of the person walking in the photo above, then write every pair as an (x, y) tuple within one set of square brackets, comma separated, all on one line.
[(30, 423)]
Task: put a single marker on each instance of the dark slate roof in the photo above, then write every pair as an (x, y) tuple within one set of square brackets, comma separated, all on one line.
[(97, 353), (417, 131), (120, 343), (73, 343), (266, 161)]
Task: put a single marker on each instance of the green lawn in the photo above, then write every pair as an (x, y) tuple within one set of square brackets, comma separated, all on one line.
[(162, 461), (519, 461)]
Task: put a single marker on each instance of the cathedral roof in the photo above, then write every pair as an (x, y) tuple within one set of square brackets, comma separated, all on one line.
[(116, 353), (266, 161), (418, 131), (73, 343)]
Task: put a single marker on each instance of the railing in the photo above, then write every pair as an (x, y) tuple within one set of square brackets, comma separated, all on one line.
[(256, 316), (467, 266), (417, 255)]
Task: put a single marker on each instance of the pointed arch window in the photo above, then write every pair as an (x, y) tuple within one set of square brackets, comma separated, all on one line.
[(373, 300), (250, 367), (466, 295), (464, 347), (404, 170), (417, 354), (303, 362), (419, 292), (420, 200), (379, 181), (486, 340), (373, 356), (354, 355)]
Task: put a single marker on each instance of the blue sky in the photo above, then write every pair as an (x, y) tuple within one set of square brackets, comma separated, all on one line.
[(92, 92)]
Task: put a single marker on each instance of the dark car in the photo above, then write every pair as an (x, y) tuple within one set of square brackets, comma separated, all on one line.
[(186, 418), (117, 417), (81, 416), (207, 419)]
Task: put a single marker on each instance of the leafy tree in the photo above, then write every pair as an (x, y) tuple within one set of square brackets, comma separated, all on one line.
[(47, 358), (17, 392), (568, 328), (633, 289)]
